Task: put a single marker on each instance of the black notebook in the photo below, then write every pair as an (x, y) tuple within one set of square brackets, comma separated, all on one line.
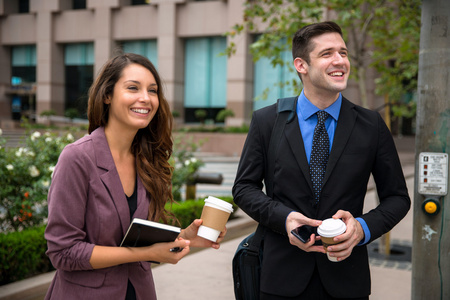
[(145, 233)]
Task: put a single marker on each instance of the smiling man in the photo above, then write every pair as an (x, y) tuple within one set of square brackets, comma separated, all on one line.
[(323, 162)]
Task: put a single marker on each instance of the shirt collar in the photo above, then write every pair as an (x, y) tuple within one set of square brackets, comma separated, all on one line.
[(307, 109)]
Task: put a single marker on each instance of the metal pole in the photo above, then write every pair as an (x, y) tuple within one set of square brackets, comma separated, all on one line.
[(431, 232)]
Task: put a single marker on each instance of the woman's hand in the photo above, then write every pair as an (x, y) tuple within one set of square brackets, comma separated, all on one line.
[(190, 233), (106, 256), (170, 253)]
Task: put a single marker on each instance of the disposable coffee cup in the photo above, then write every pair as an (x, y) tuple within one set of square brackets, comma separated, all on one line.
[(329, 229), (215, 215)]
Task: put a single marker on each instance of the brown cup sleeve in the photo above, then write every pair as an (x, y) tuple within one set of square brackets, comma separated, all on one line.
[(214, 218)]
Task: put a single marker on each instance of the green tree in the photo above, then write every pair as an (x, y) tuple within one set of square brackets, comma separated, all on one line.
[(383, 34)]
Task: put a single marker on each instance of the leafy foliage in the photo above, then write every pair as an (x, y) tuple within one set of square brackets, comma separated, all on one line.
[(188, 211), (184, 163), (25, 173), (22, 254), (383, 34)]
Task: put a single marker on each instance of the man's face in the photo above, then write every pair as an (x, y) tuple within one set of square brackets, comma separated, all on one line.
[(329, 67)]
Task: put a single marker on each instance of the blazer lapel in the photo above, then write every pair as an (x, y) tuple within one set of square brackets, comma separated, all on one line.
[(347, 119), (142, 202), (295, 141), (110, 177)]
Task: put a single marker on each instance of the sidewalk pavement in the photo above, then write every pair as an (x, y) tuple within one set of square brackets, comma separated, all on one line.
[(207, 274)]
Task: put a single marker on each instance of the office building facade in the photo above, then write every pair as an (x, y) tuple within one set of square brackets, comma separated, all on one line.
[(50, 51)]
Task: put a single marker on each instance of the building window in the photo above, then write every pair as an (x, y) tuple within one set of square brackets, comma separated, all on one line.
[(23, 81), (144, 48), (205, 80), (270, 82), (78, 4), (24, 6), (79, 69), (140, 2)]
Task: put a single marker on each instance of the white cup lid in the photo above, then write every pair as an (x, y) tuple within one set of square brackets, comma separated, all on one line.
[(331, 228), (224, 205)]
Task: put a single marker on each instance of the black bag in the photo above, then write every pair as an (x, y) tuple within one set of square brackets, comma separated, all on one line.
[(247, 268), (248, 257)]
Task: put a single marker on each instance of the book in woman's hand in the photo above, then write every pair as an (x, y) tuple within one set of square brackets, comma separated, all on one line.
[(145, 233)]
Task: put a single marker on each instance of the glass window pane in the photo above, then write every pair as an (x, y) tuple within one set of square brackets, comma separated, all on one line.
[(79, 54), (270, 82), (23, 56), (144, 48), (79, 4), (218, 92), (265, 92), (24, 6), (197, 72)]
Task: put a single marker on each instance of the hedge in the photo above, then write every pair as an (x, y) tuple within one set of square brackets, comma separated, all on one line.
[(190, 210), (22, 254)]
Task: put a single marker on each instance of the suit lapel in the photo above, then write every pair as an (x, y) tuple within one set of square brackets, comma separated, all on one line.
[(295, 140), (347, 119), (110, 177)]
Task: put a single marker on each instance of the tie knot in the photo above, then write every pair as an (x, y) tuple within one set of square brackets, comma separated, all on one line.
[(322, 116)]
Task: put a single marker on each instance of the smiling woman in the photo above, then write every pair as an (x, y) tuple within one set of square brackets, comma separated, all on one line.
[(118, 172)]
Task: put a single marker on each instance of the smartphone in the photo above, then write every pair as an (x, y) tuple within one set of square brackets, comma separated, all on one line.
[(303, 233)]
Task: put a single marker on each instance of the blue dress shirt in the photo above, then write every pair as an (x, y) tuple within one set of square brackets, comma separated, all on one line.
[(307, 119)]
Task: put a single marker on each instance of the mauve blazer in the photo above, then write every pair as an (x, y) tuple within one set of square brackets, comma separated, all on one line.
[(87, 206)]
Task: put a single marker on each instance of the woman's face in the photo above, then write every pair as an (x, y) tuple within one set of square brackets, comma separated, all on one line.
[(135, 101)]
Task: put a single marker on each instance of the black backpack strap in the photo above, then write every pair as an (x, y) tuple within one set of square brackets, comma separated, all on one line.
[(286, 110)]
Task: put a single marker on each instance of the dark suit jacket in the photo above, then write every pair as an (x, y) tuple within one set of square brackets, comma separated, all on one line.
[(362, 146), (87, 206)]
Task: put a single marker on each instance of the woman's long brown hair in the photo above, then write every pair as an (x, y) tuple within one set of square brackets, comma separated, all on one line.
[(152, 146)]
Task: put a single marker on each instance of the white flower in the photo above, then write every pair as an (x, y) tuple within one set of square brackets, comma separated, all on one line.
[(193, 160), (48, 139), (34, 172), (29, 153), (46, 183), (70, 137), (20, 151), (51, 169), (35, 135), (10, 167)]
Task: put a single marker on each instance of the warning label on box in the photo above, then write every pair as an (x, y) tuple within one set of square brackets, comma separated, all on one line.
[(433, 173)]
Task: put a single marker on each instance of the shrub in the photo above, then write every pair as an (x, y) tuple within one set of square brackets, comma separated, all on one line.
[(184, 163), (188, 211), (223, 114), (25, 174), (22, 255), (201, 114)]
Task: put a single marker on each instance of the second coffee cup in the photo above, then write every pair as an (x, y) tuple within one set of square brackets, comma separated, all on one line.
[(329, 229), (215, 215)]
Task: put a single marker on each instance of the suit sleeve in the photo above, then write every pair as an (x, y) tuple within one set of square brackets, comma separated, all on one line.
[(248, 185), (391, 186)]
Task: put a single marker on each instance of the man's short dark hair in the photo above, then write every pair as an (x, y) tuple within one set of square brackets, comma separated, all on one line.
[(301, 42)]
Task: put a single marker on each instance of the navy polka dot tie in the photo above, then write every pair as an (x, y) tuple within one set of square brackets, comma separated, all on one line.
[(319, 154)]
